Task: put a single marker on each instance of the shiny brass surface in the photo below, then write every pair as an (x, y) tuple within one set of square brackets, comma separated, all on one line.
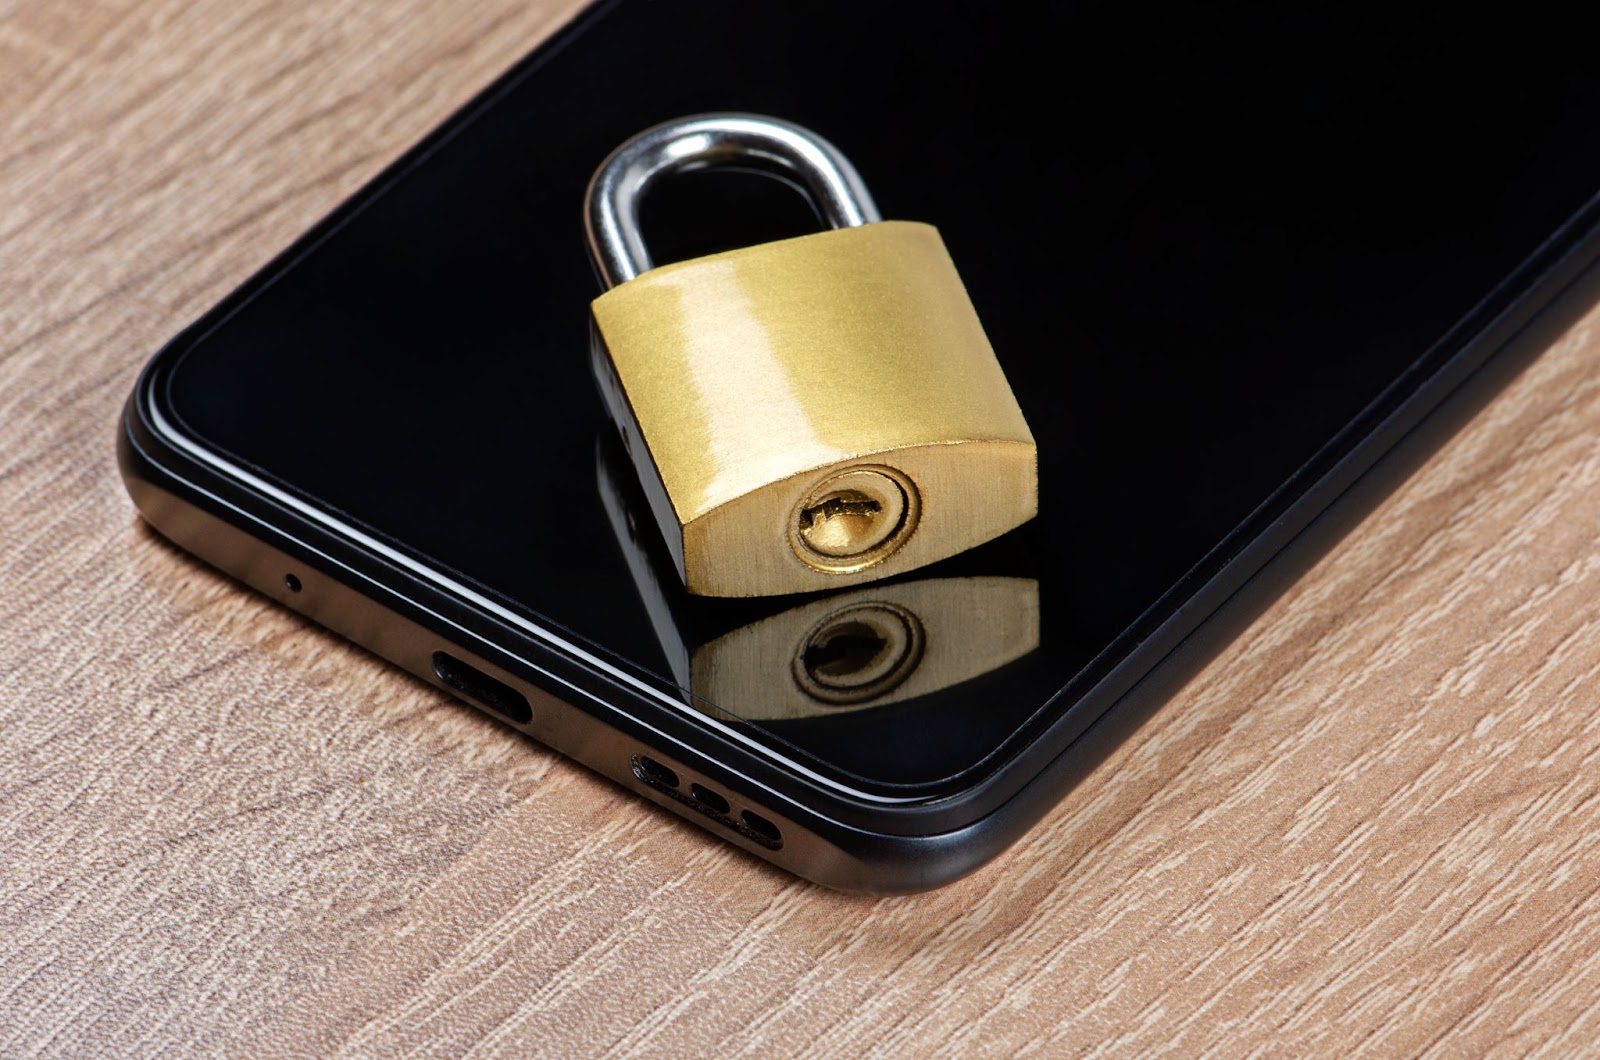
[(746, 382)]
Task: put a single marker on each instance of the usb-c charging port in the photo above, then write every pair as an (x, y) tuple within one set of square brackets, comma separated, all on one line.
[(484, 690)]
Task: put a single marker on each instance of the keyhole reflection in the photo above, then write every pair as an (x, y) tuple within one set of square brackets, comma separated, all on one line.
[(859, 653)]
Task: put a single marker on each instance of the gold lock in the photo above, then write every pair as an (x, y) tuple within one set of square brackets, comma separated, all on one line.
[(805, 414)]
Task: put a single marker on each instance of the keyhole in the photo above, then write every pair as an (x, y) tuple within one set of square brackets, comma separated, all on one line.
[(859, 654), (843, 524), (854, 519)]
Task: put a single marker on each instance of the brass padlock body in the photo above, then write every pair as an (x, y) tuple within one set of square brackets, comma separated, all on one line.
[(750, 384)]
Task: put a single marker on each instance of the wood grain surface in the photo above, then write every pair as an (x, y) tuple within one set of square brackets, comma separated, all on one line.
[(1371, 824)]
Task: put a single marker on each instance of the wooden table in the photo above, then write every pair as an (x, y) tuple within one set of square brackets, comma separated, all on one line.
[(1371, 822)]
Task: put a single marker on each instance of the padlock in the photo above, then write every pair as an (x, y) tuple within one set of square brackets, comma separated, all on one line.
[(809, 413)]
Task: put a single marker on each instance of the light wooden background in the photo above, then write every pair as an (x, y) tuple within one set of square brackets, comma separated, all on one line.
[(1371, 823)]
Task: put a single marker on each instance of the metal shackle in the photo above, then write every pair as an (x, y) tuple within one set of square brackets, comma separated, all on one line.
[(611, 205)]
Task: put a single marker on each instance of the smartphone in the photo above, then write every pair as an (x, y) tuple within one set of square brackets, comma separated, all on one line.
[(1239, 260)]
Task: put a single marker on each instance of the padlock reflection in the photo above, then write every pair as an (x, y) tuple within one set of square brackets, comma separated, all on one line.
[(867, 648), (847, 651)]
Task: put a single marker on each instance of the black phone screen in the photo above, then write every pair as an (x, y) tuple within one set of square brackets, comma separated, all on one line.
[(1201, 243)]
